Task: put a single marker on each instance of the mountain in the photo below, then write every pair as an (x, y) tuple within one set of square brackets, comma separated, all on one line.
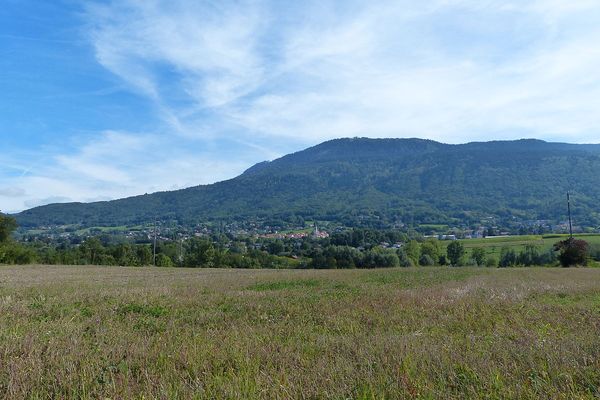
[(374, 182)]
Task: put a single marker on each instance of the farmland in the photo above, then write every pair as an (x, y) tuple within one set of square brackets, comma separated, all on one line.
[(493, 246), (114, 332)]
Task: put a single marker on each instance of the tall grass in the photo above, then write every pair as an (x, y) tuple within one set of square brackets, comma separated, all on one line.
[(434, 333)]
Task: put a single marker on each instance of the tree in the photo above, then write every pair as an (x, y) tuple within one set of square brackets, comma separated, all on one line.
[(163, 260), (455, 252), (124, 254), (508, 258), (144, 255), (91, 250), (17, 254), (431, 248), (572, 252), (7, 226), (403, 259), (345, 256), (275, 247), (380, 259), (413, 251), (595, 251), (478, 255), (426, 260), (529, 256), (200, 253)]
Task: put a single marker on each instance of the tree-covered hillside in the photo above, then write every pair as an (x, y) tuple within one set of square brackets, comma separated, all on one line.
[(375, 182)]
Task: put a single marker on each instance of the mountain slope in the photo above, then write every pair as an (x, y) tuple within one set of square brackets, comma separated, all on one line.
[(379, 181)]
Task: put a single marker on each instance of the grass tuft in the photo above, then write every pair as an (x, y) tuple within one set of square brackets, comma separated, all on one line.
[(142, 309), (285, 285)]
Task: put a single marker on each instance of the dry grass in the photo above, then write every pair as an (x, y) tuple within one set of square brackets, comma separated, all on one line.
[(90, 332)]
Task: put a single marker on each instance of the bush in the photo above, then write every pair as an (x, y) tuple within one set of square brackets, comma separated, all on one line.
[(478, 256), (431, 248), (572, 252), (163, 260), (344, 256), (405, 261), (508, 258), (595, 251), (13, 253), (426, 260), (491, 261), (380, 259)]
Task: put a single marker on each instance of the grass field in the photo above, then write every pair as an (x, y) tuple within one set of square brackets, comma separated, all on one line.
[(431, 333), (493, 246)]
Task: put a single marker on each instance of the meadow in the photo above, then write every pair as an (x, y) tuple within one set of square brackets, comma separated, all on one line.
[(493, 246), (429, 333)]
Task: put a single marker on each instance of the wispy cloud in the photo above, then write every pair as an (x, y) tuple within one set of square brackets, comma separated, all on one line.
[(238, 81), (117, 164), (450, 70)]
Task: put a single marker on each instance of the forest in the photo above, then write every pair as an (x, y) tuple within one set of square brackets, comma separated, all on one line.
[(374, 183)]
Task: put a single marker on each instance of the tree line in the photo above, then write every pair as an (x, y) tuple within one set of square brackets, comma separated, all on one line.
[(356, 248)]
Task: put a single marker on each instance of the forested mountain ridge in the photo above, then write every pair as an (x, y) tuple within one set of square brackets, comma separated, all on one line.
[(374, 181)]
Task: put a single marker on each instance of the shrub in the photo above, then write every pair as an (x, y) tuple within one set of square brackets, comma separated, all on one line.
[(508, 258), (163, 260), (405, 261), (491, 261), (380, 259), (426, 260), (14, 253), (595, 251), (572, 252), (478, 256)]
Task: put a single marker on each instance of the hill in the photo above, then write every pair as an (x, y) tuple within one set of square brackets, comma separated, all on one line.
[(375, 182)]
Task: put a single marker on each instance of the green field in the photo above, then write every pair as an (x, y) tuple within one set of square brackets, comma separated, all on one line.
[(493, 246), (430, 333)]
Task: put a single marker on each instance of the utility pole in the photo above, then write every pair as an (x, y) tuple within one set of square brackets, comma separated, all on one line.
[(154, 246), (570, 221)]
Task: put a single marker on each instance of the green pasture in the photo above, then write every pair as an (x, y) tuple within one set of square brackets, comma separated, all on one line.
[(494, 245)]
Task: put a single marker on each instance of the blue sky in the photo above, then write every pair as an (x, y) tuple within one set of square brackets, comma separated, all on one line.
[(106, 99)]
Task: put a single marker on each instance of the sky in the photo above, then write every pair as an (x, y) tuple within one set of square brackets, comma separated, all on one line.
[(108, 99)]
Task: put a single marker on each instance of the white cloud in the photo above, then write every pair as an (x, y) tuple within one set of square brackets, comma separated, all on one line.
[(235, 82), (207, 47), (119, 164), (452, 70)]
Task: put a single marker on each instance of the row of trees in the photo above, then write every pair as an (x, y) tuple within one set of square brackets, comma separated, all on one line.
[(432, 252), (195, 252), (413, 253), (358, 248), (527, 257)]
